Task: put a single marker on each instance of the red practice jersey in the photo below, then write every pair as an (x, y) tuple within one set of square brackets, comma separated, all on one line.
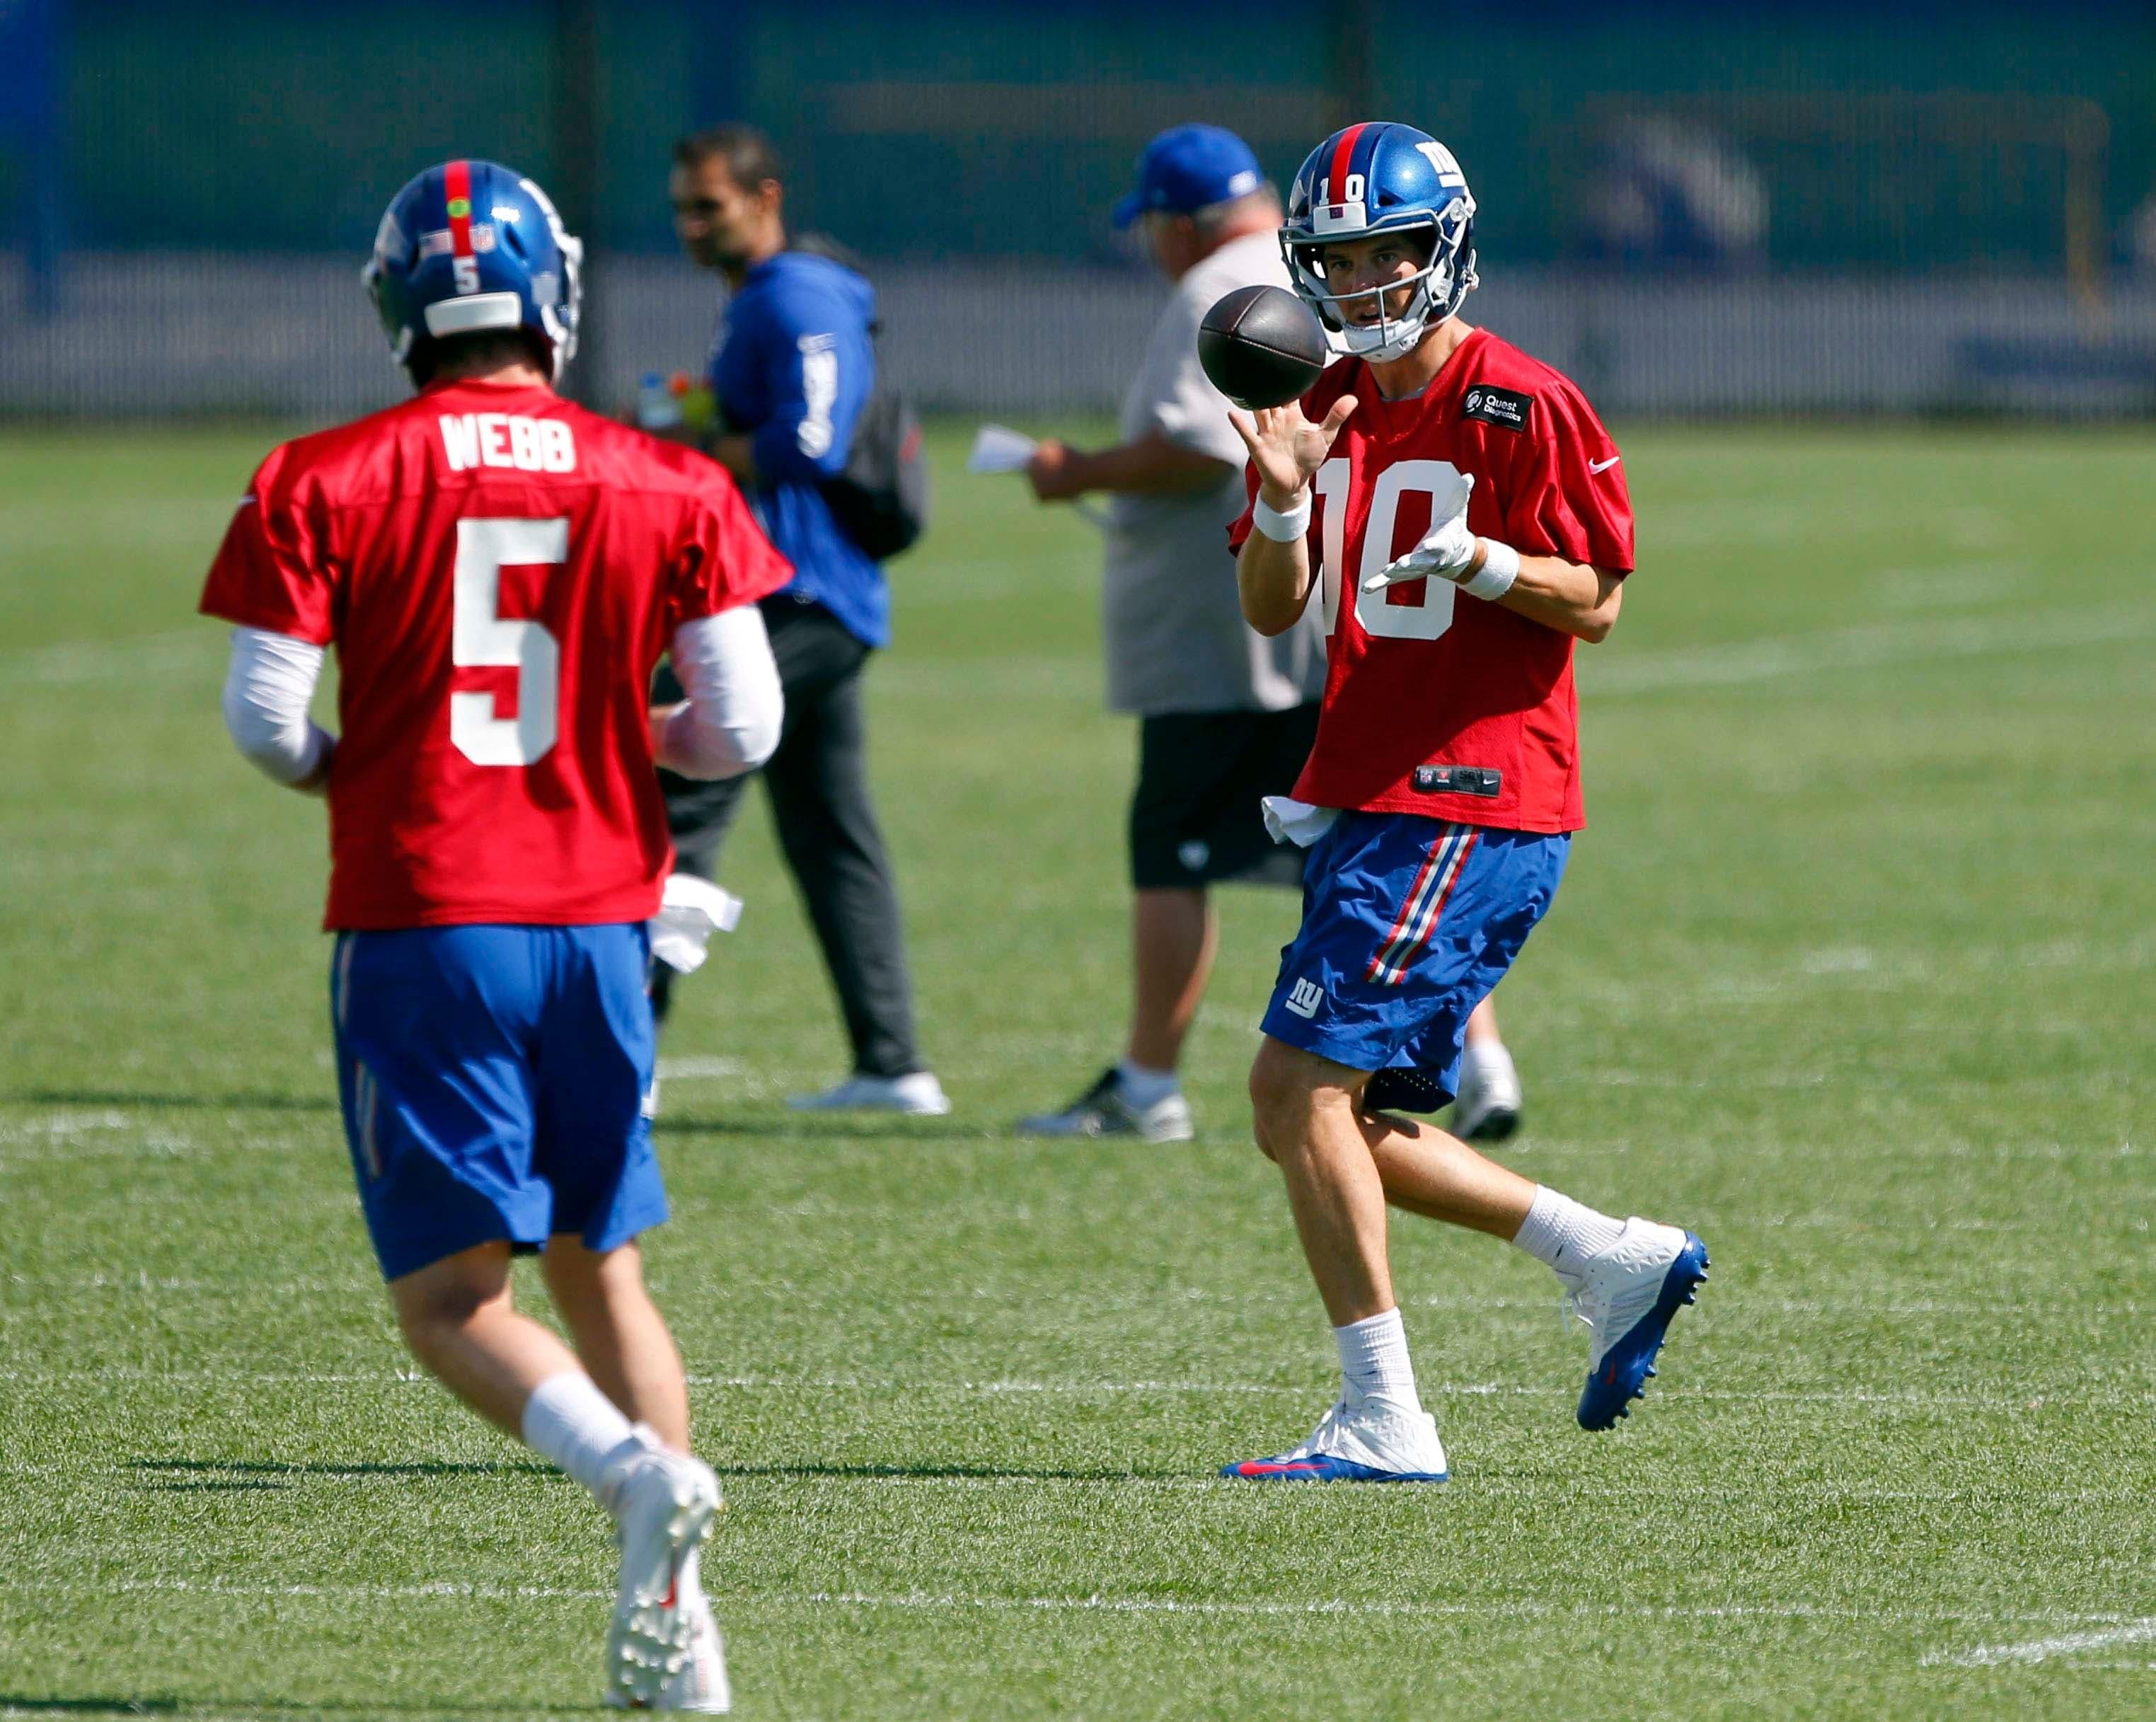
[(1419, 674), (500, 571)]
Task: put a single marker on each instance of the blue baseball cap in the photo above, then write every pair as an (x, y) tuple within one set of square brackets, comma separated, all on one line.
[(1189, 167)]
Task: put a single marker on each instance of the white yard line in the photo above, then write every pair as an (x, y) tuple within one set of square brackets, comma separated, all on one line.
[(1770, 659), (1728, 1305), (698, 1068), (2040, 1650), (889, 1385), (1494, 1608), (1448, 1390), (115, 661), (153, 1473), (1940, 585)]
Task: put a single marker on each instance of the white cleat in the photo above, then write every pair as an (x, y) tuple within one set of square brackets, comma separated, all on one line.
[(1487, 1107), (663, 1504), (917, 1095), (700, 1684), (1376, 1442), (1626, 1295)]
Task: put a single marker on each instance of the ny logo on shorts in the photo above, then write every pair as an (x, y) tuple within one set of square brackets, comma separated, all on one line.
[(1305, 997)]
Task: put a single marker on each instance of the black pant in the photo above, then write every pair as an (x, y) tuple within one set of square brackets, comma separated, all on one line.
[(827, 828)]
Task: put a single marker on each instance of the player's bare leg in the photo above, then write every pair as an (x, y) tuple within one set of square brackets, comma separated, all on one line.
[(461, 1321), (671, 1653), (1624, 1278), (1482, 1022), (1174, 934), (1304, 1110), (1433, 1173), (619, 1335)]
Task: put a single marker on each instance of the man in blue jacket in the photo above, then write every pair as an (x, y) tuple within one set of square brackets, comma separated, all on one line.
[(792, 367)]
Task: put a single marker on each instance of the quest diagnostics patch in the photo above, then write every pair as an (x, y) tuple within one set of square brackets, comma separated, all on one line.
[(1497, 405)]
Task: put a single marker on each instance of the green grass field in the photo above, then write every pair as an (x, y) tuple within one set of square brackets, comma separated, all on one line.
[(1851, 974)]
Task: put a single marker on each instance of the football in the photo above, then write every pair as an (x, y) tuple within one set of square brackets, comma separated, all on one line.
[(1261, 347)]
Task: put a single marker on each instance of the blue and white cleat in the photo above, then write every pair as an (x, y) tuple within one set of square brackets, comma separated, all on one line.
[(1627, 1294), (1375, 1442)]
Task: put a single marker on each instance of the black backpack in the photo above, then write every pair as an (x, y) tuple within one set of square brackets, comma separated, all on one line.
[(880, 502)]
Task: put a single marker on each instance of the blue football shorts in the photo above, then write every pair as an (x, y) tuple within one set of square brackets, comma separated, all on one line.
[(1408, 924), (492, 1080)]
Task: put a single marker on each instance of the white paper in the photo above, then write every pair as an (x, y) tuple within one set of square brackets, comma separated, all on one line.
[(690, 910), (998, 448)]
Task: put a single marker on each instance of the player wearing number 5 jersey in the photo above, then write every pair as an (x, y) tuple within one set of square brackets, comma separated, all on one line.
[(499, 572), (1461, 515)]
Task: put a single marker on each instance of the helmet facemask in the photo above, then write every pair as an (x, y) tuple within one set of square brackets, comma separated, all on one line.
[(560, 310), (1436, 290)]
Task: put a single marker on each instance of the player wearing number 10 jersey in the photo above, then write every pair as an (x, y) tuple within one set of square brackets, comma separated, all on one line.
[(1461, 515), (499, 571)]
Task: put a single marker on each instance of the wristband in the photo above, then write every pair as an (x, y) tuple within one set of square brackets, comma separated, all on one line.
[(1282, 525), (1501, 567)]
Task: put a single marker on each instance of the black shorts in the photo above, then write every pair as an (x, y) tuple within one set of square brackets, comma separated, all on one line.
[(1195, 817)]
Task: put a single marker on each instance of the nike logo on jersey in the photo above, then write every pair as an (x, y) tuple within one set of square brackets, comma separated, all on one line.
[(1604, 466)]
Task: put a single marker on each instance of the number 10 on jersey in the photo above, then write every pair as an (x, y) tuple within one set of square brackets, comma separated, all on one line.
[(1440, 480)]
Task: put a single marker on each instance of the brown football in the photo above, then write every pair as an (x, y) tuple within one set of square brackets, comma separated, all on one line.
[(1262, 347)]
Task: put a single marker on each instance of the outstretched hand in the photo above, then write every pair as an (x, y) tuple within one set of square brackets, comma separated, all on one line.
[(1448, 550), (1286, 448)]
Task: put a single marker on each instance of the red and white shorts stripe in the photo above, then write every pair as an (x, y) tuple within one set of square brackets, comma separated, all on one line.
[(1410, 936)]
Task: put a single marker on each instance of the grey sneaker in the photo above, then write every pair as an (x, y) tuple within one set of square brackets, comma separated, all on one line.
[(918, 1095), (1104, 1110)]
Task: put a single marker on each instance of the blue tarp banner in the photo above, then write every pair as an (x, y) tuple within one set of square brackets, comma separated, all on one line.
[(29, 98), (30, 130)]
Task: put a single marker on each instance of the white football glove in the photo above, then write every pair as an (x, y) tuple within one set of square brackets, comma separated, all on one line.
[(1445, 549)]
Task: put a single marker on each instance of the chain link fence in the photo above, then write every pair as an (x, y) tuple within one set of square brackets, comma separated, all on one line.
[(1794, 211)]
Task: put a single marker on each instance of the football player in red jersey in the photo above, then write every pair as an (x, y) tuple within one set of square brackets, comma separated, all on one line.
[(1461, 515), (499, 571)]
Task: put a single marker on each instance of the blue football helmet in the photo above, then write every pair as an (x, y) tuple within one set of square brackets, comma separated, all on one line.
[(471, 246), (1379, 178)]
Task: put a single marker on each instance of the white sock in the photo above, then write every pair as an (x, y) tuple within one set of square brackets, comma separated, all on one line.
[(1374, 1361), (1562, 1233), (1143, 1086), (569, 1421), (1486, 1055)]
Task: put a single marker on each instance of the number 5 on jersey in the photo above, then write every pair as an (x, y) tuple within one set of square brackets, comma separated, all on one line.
[(482, 637)]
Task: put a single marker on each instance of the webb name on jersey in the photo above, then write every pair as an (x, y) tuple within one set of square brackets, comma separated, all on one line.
[(1437, 703)]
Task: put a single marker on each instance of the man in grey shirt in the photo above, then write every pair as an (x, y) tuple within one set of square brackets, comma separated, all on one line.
[(1225, 716)]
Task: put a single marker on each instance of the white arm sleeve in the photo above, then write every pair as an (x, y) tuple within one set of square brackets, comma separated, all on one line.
[(730, 723), (267, 688)]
